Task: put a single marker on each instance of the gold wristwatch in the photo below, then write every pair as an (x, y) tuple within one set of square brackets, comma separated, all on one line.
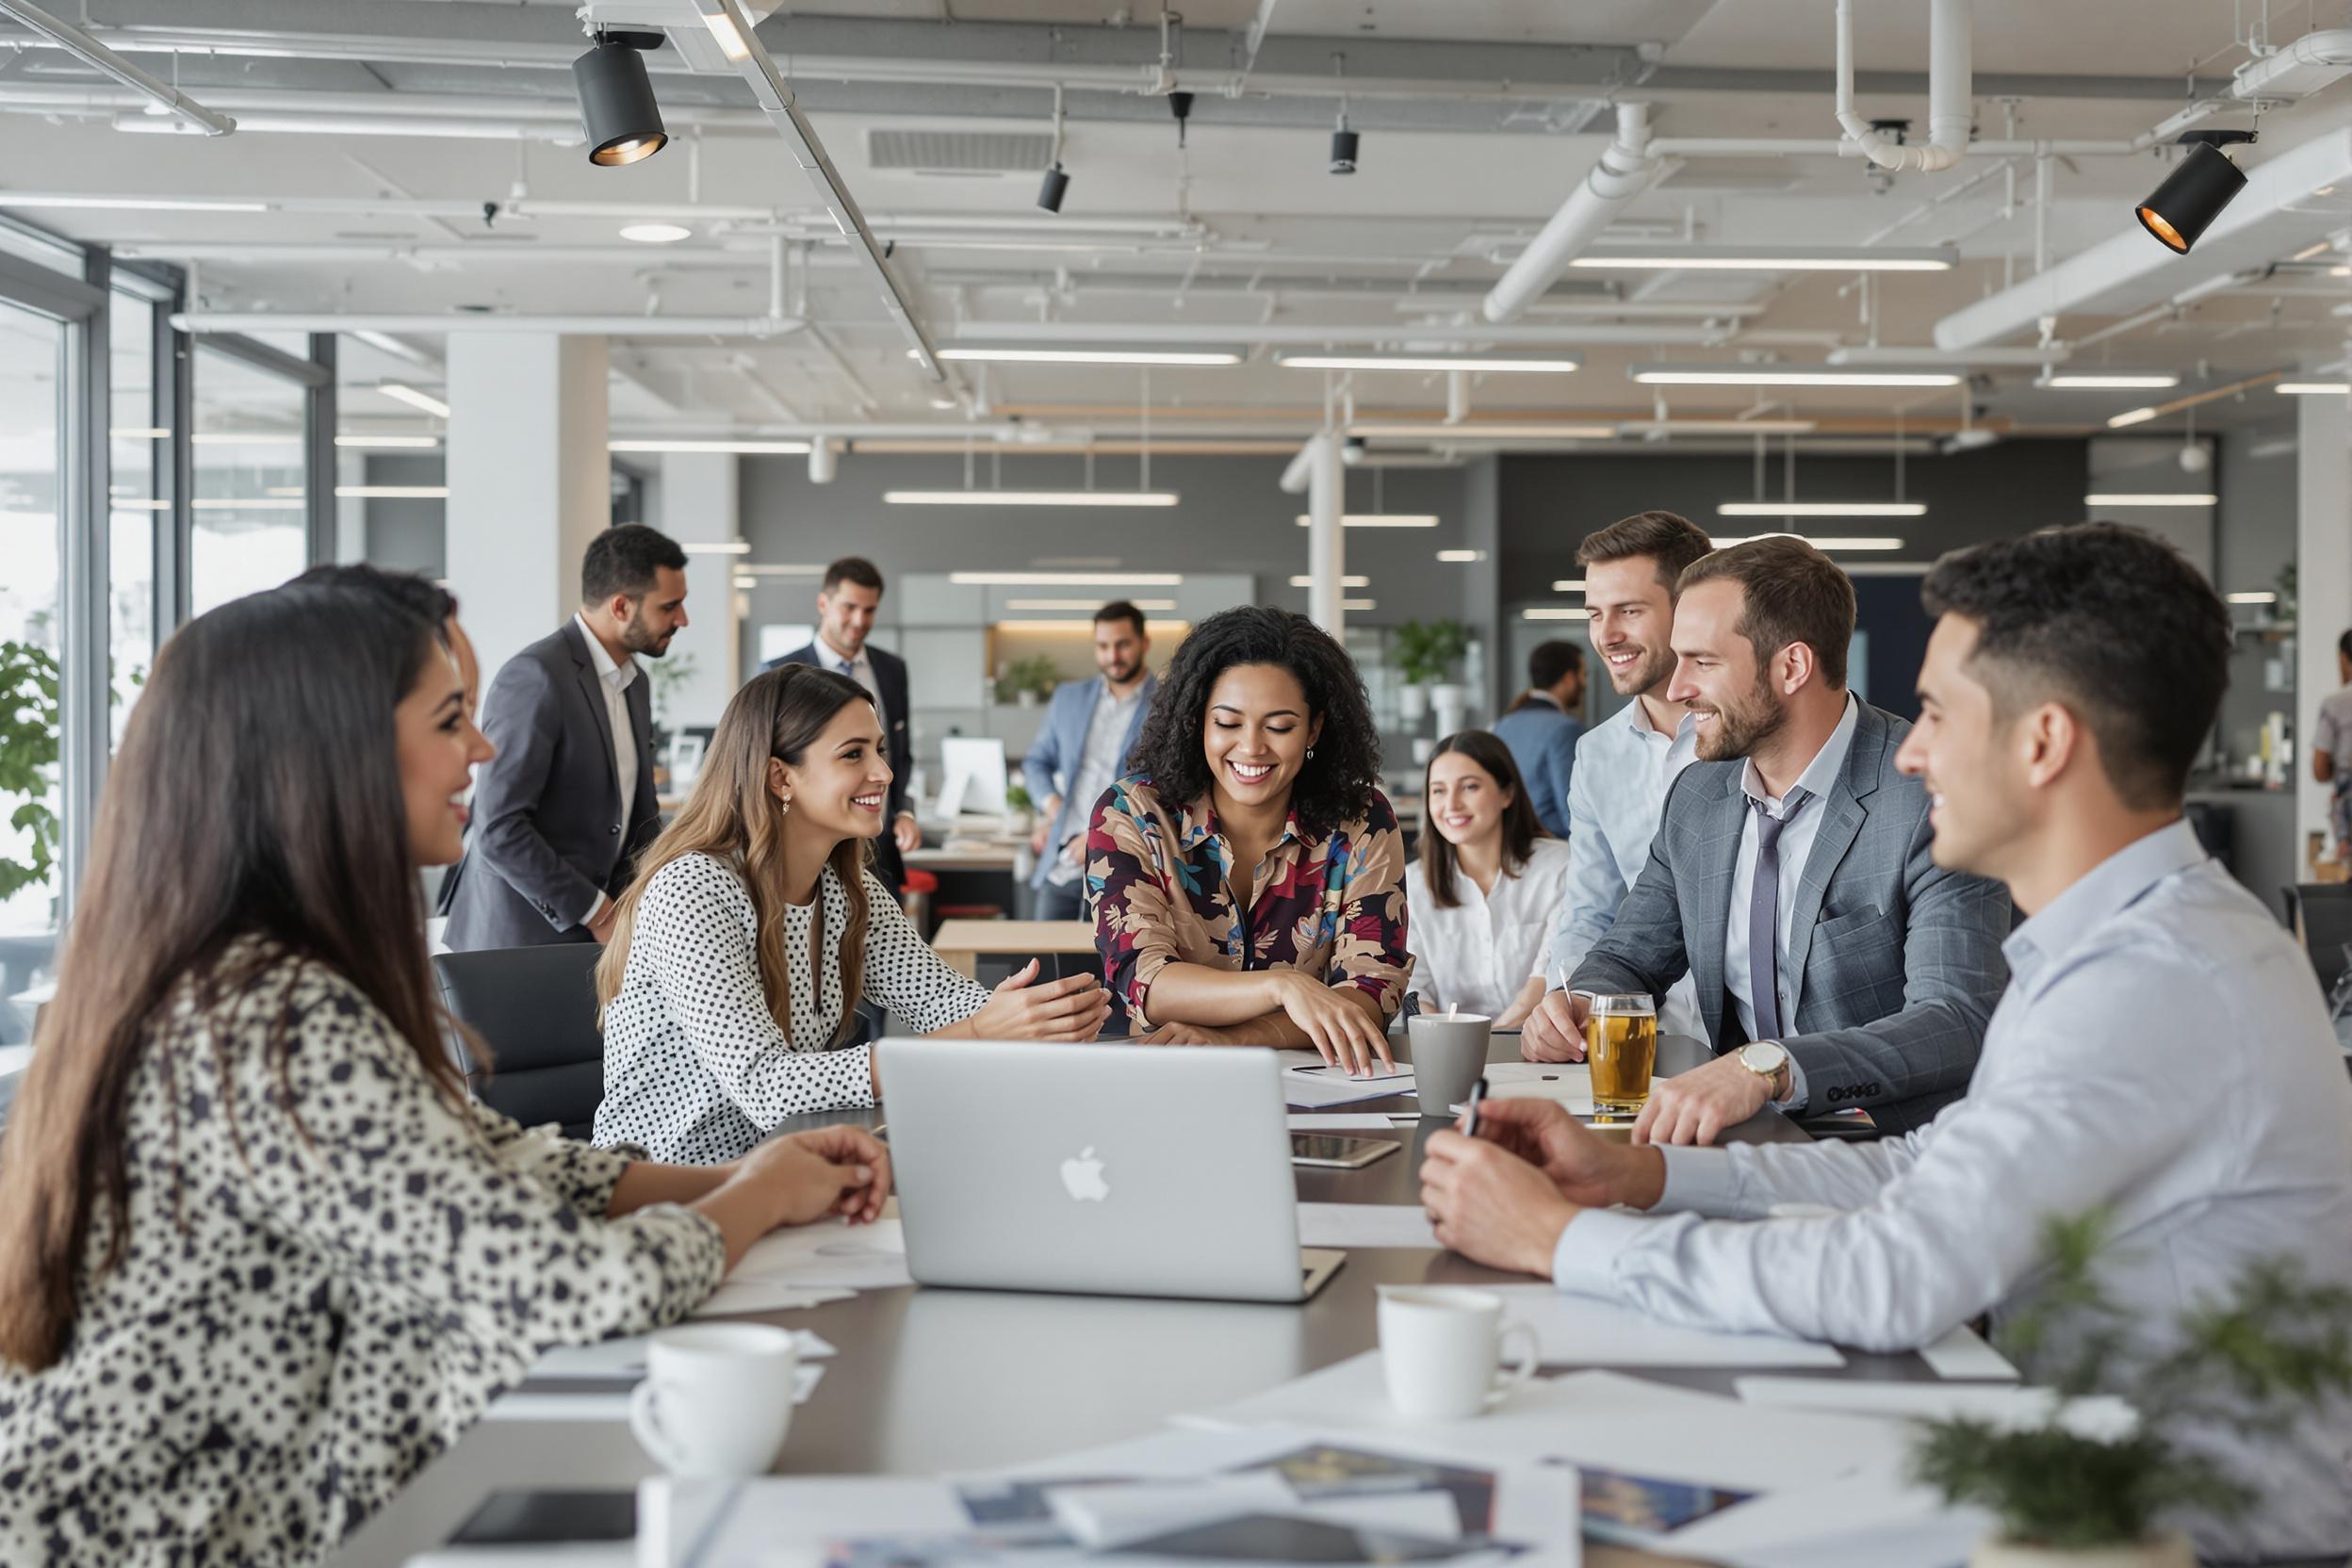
[(1769, 1060)]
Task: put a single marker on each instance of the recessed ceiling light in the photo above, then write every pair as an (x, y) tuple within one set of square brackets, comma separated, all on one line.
[(1348, 581), (1770, 258), (731, 42), (1790, 375), (2253, 598), (1382, 519), (716, 546), (2311, 388), (1821, 508), (1092, 356), (2130, 417), (1461, 556), (2102, 381), (2150, 498), (1030, 497), (1833, 542), (1426, 362), (656, 234)]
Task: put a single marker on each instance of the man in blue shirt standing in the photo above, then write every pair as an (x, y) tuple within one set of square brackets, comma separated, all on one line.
[(1541, 729), (2162, 1052), (1090, 731)]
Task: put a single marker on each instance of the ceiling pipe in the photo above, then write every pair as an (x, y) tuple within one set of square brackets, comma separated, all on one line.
[(1627, 168), (1950, 72), (88, 49), (609, 326)]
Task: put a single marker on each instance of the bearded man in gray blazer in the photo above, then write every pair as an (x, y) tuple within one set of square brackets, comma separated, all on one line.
[(1835, 964), (562, 812)]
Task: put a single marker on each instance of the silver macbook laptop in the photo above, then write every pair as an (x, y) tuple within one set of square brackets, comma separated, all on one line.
[(1109, 1169)]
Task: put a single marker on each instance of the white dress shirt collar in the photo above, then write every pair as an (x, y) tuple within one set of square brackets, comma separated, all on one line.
[(2103, 890), (834, 657), (1821, 775), (618, 676)]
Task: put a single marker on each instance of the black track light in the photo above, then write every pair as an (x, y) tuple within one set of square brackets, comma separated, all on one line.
[(2194, 194), (1179, 105), (617, 105), (1050, 191), (1343, 151)]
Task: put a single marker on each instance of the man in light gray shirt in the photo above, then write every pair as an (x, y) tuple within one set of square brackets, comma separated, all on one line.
[(2331, 750), (1081, 751), (2161, 1051), (1627, 762)]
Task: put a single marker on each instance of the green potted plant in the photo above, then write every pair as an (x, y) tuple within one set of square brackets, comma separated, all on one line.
[(1026, 682), (2071, 1495), (1019, 810), (1426, 651), (28, 760)]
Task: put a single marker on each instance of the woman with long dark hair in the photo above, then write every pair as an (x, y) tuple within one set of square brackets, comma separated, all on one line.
[(1489, 885), (260, 1258), (1248, 871), (753, 928)]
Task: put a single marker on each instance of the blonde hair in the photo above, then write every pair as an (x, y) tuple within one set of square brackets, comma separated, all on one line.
[(733, 816)]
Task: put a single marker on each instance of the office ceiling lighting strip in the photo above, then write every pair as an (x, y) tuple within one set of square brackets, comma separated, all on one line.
[(1091, 357), (1667, 374), (1482, 364), (1821, 508), (1770, 258), (1030, 497)]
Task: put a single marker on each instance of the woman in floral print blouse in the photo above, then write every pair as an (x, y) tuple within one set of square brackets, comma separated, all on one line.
[(1249, 877)]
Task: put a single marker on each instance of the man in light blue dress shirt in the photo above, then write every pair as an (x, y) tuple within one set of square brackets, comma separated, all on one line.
[(1541, 730), (2161, 1052)]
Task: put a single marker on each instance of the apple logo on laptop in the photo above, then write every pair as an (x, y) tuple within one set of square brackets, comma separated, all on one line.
[(1082, 1176)]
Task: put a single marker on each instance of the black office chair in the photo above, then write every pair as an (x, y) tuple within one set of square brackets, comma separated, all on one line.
[(2321, 913), (536, 1009)]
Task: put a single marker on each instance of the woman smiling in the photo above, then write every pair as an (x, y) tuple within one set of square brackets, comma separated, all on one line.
[(1249, 872), (753, 928), (1488, 888)]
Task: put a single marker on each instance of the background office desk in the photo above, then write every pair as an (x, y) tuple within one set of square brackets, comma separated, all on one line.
[(927, 1380), (963, 942)]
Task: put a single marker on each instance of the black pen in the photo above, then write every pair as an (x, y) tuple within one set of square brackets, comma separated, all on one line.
[(1470, 1114)]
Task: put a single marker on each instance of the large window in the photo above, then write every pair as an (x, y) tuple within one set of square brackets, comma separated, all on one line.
[(250, 497), (138, 449), (31, 640)]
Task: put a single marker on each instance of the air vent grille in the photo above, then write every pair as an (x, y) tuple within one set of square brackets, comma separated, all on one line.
[(922, 151)]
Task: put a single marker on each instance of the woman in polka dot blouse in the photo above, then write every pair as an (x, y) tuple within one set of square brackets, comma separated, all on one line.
[(260, 1259), (754, 927)]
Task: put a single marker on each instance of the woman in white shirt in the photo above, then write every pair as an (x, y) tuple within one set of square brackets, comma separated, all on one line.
[(1487, 887), (753, 927)]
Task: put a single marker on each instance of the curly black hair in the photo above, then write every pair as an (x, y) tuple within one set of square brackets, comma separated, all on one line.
[(1336, 784), (2111, 621)]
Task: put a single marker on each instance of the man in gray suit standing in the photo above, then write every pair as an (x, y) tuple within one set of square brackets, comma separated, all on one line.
[(1090, 731), (1836, 965), (562, 812)]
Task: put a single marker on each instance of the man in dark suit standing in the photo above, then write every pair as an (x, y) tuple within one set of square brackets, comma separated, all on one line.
[(564, 809), (847, 603)]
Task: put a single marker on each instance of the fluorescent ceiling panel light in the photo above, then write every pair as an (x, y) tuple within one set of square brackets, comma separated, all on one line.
[(1087, 606), (741, 449), (1030, 497), (718, 547), (251, 503), (2106, 382), (399, 392), (656, 234), (2150, 498), (2311, 388), (1569, 585), (2253, 598), (387, 443), (393, 493), (1428, 362), (1833, 542), (731, 42), (246, 438), (1555, 612), (1084, 627), (134, 203), (1821, 508), (1350, 581), (1770, 258), (1432, 431), (1067, 579), (1790, 375), (1093, 356), (2130, 417), (1382, 519), (1461, 556), (140, 432)]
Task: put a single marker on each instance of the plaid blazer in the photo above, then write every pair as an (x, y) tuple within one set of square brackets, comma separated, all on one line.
[(1894, 963)]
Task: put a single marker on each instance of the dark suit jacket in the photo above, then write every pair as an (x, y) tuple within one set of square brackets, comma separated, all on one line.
[(1894, 964), (889, 673), (550, 830)]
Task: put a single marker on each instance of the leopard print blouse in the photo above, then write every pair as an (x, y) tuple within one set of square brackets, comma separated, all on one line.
[(326, 1281)]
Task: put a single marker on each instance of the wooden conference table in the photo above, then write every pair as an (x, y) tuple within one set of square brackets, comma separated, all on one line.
[(927, 1380)]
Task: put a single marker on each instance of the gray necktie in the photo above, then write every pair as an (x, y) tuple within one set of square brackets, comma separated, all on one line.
[(1764, 916)]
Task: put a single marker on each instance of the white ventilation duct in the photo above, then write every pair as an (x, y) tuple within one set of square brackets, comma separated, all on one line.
[(1950, 68), (1627, 168), (2297, 70)]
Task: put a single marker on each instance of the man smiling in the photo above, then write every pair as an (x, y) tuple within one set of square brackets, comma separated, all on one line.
[(2162, 1052), (1834, 964)]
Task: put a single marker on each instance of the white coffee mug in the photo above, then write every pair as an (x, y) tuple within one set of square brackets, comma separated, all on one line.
[(1439, 1348), (717, 1398)]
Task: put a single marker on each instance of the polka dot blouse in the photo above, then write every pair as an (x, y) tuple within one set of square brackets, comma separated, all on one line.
[(327, 1280), (696, 1069)]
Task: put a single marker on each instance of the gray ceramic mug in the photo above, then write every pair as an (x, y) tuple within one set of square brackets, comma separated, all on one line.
[(1449, 1056)]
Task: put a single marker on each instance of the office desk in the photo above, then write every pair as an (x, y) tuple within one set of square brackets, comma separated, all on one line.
[(961, 942), (985, 858), (927, 1380)]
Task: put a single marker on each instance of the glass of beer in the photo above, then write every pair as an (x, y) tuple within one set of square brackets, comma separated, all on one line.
[(1621, 1047)]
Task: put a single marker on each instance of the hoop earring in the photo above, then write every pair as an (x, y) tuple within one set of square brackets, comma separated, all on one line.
[(1310, 753)]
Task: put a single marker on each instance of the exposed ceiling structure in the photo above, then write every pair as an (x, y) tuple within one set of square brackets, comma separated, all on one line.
[(1646, 190)]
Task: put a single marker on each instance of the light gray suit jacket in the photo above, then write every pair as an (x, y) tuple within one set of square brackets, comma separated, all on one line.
[(1894, 964)]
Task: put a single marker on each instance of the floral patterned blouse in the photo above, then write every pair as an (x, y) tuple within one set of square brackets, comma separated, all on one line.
[(1161, 878)]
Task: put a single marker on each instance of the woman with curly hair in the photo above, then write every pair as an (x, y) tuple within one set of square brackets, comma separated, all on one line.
[(1249, 876)]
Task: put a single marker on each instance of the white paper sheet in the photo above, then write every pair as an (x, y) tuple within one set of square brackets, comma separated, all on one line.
[(1365, 1225), (810, 1263), (1874, 1517), (623, 1360), (1361, 1121), (1570, 1083), (2102, 1418), (1320, 1087), (1104, 1518), (1964, 1353), (1576, 1330), (1604, 1419)]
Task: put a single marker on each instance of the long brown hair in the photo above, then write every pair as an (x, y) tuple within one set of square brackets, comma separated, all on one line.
[(733, 817), (256, 794), (1519, 827)]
